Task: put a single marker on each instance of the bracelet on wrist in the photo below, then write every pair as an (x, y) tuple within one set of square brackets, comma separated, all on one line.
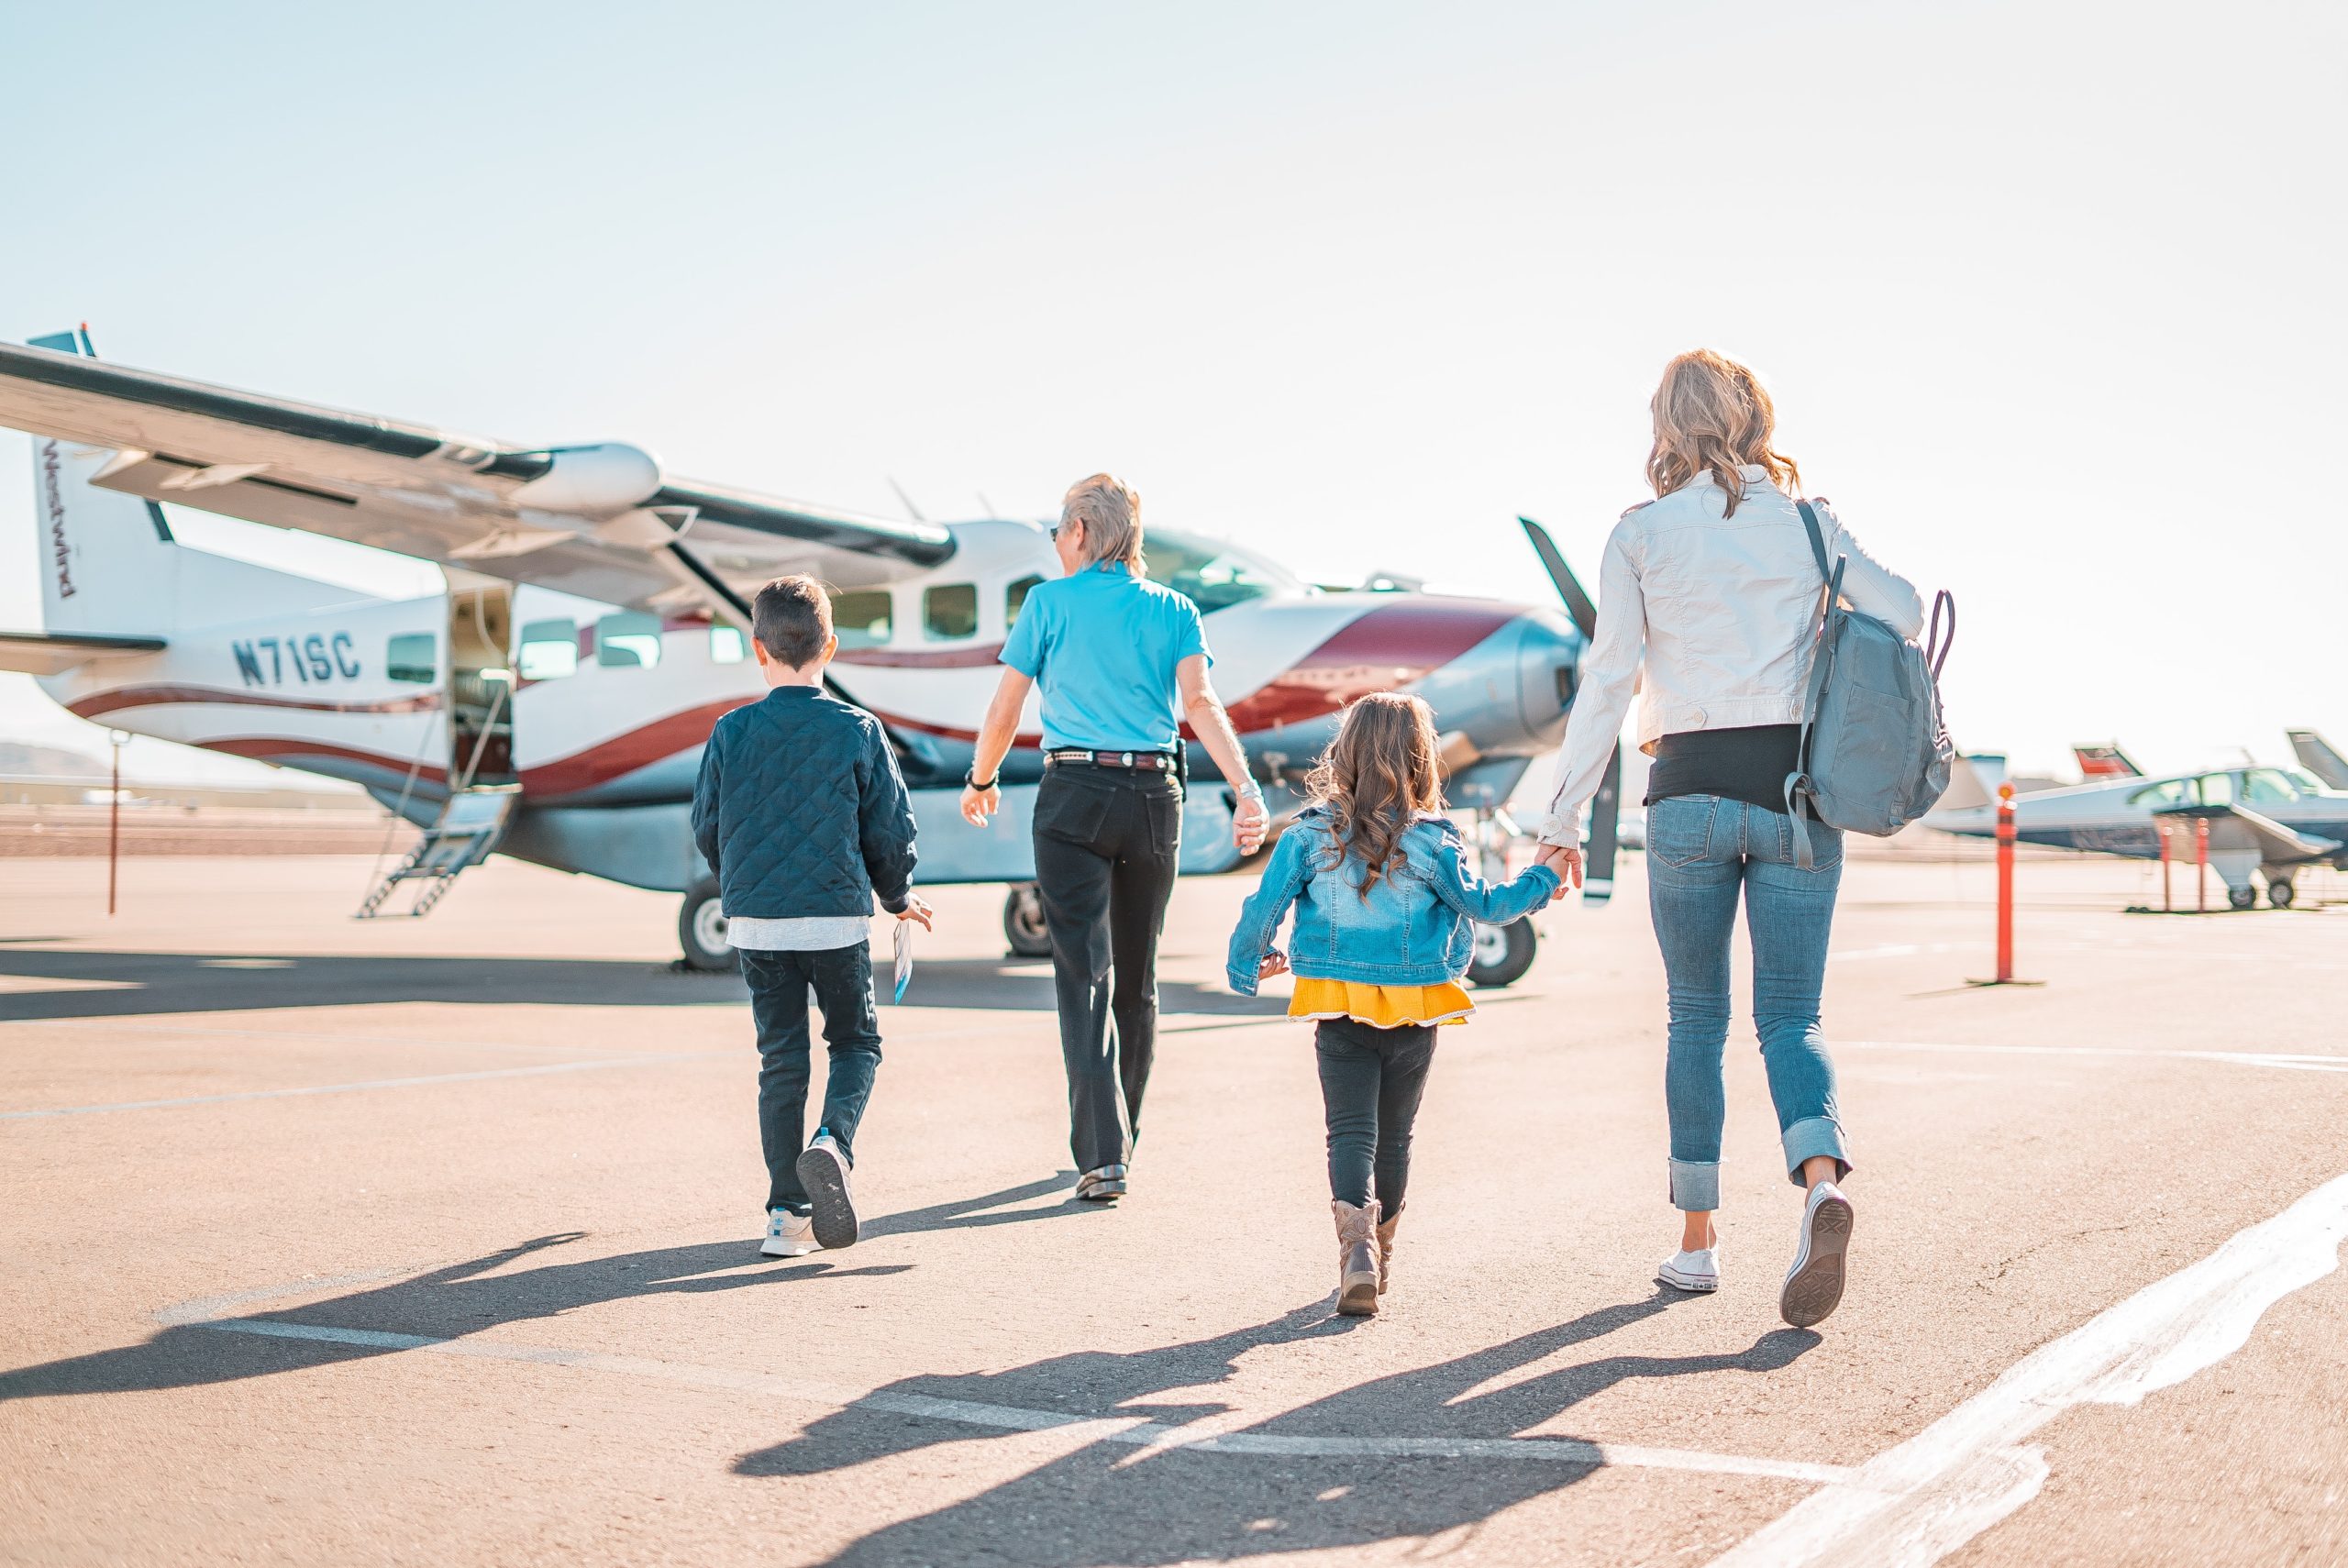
[(971, 778)]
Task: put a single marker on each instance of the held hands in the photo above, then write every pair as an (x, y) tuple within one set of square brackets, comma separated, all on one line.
[(915, 910), (979, 804), (1563, 859), (1250, 823), (1274, 963)]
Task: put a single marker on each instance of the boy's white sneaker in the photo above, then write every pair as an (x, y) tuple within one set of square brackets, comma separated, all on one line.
[(788, 1235), (1814, 1284), (1697, 1271), (824, 1171)]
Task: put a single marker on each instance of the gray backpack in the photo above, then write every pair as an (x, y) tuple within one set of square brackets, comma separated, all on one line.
[(1874, 753)]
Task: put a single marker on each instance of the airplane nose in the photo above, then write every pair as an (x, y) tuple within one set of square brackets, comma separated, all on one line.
[(1548, 658)]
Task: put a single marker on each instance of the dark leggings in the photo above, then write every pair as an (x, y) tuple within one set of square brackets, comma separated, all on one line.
[(1370, 1083)]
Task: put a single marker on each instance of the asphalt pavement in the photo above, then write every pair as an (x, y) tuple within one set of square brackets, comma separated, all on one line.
[(435, 1242)]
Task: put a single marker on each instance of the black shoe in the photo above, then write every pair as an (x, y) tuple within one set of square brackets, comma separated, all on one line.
[(1102, 1186)]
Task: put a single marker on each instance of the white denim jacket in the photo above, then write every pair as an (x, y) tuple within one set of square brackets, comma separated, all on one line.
[(1712, 619)]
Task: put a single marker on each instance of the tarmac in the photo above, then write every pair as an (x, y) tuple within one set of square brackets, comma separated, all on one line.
[(435, 1241)]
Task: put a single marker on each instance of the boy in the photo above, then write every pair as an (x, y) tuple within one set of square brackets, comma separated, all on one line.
[(801, 814)]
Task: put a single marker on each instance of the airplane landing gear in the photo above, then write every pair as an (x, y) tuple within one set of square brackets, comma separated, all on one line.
[(1023, 923), (1503, 953), (2242, 898), (700, 931), (2280, 892)]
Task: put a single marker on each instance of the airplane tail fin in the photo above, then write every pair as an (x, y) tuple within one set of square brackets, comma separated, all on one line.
[(107, 561), (2109, 760), (2317, 756)]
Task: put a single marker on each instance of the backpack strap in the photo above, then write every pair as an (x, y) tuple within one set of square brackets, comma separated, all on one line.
[(1799, 790)]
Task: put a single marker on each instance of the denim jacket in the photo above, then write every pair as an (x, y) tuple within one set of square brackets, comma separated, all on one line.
[(1416, 927)]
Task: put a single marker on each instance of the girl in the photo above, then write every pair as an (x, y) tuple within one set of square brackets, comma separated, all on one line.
[(1386, 909)]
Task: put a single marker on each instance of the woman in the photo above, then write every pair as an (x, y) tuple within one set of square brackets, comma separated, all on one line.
[(1709, 599), (1123, 663)]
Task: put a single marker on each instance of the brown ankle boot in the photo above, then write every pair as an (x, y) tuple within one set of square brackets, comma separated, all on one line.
[(1357, 1259), (1386, 1249)]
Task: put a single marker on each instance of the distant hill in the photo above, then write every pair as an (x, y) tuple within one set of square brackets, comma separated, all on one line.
[(19, 760)]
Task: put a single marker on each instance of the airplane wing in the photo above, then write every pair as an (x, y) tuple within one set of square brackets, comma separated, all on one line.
[(600, 521), (53, 653), (2237, 830)]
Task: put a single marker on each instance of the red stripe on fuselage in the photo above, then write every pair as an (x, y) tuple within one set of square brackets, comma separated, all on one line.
[(623, 754), (1389, 647), (271, 748)]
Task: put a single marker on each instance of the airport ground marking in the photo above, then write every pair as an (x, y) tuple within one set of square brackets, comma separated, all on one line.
[(2291, 1061), (1916, 1502), (542, 1070), (1132, 1432)]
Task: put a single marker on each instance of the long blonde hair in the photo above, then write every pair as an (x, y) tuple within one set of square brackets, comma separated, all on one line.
[(1376, 777), (1713, 412)]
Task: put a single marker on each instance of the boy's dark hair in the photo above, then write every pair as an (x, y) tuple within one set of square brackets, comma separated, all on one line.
[(791, 618)]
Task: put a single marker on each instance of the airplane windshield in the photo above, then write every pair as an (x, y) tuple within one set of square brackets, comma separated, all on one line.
[(2271, 786), (1214, 575)]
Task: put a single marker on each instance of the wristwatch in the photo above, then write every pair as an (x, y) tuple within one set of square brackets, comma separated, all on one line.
[(970, 779)]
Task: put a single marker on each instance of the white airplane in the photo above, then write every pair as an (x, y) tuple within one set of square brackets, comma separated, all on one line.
[(2263, 822), (552, 704)]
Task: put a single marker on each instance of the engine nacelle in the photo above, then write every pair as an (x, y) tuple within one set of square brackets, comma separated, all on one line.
[(596, 481)]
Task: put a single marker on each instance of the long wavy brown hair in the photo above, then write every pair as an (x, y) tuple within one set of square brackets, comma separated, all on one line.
[(1713, 412), (1376, 777)]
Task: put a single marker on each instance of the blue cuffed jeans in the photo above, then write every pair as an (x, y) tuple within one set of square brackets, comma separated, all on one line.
[(1703, 854)]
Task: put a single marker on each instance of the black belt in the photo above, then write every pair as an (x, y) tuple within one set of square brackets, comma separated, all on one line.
[(1152, 761)]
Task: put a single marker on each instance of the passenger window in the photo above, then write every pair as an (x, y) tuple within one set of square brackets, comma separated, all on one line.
[(549, 650), (630, 637), (2267, 787), (727, 646), (950, 611), (1014, 596), (412, 655), (2216, 789), (862, 619), (2161, 796)]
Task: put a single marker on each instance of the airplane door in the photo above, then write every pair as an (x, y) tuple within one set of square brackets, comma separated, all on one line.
[(481, 681)]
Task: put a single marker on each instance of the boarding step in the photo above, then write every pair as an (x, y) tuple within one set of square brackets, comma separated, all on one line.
[(466, 831)]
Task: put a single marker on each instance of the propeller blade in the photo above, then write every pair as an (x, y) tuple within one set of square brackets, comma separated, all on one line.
[(1578, 604), (1605, 816)]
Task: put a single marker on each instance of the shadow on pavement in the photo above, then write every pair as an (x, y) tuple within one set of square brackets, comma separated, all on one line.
[(214, 982), (1102, 1505), (469, 1298)]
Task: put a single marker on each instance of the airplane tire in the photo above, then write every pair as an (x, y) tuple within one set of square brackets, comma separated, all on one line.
[(701, 931), (2280, 893), (1023, 923), (2242, 898), (1503, 953)]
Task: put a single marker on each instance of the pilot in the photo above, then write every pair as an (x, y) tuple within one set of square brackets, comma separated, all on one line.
[(1122, 664)]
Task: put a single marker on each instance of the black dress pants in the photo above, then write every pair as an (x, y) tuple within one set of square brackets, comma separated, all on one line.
[(1106, 844)]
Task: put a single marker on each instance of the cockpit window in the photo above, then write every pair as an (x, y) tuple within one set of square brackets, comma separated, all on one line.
[(1214, 575), (2216, 789)]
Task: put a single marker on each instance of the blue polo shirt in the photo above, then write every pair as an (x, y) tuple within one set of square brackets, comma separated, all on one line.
[(1102, 645)]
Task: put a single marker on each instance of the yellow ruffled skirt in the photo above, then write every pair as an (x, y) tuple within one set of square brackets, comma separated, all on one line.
[(1381, 1007)]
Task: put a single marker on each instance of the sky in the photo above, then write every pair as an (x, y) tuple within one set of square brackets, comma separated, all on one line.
[(2048, 294)]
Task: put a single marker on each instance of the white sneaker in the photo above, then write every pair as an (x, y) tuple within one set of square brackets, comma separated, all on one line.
[(1697, 1271), (788, 1235), (824, 1171), (1815, 1285)]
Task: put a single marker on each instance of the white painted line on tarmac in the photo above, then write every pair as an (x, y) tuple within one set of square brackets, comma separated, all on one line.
[(2296, 1061), (1912, 1504), (366, 1085), (1129, 1430)]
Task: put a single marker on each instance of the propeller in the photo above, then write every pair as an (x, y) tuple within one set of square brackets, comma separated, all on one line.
[(1606, 807)]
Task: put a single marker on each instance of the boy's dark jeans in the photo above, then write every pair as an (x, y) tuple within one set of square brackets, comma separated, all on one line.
[(843, 980), (1370, 1083), (1106, 842)]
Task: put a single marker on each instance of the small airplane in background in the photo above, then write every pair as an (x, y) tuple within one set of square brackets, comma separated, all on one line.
[(2266, 822), (552, 704)]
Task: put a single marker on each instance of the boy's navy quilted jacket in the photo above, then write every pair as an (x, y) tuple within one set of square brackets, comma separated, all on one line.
[(800, 811)]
